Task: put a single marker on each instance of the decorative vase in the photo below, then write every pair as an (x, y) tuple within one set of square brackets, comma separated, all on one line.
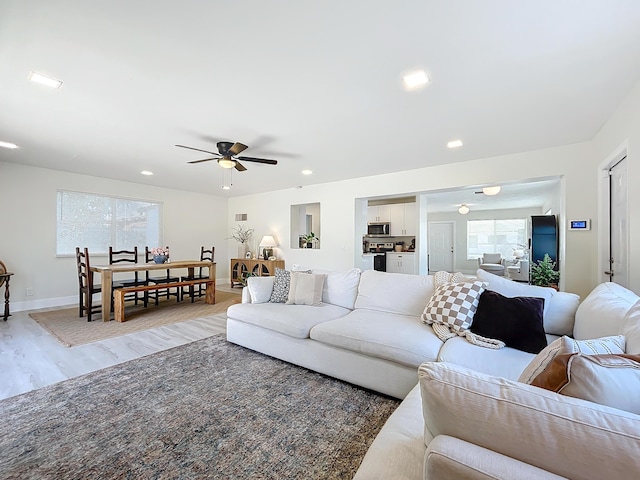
[(242, 250), (160, 258)]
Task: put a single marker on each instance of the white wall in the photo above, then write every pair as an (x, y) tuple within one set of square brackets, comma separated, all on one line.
[(461, 264), (623, 128), (28, 229), (269, 213)]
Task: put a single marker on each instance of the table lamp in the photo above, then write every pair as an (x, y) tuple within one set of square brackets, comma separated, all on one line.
[(268, 242)]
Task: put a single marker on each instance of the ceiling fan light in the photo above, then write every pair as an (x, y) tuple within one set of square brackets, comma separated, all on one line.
[(227, 163), (492, 190), (463, 210)]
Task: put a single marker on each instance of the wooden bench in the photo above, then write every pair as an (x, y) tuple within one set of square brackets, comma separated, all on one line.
[(119, 293)]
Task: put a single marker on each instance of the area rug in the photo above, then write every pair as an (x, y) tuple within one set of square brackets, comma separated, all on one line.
[(208, 409), (70, 330)]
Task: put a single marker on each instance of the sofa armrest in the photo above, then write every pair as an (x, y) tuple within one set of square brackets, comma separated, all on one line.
[(567, 436), (449, 457)]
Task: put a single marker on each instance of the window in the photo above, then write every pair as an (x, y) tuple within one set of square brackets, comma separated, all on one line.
[(98, 221), (495, 236)]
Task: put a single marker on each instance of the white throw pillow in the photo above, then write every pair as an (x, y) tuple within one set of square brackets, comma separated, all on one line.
[(567, 436), (260, 288), (305, 289), (614, 344), (612, 380)]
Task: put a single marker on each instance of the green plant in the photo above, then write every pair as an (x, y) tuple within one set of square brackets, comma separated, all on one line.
[(309, 237), (543, 273)]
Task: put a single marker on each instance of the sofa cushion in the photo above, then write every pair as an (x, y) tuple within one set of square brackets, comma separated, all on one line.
[(306, 289), (394, 292), (341, 288), (516, 321), (398, 338), (559, 307), (260, 288), (614, 344), (281, 283), (612, 380), (505, 362), (603, 312), (293, 320), (453, 305), (567, 436)]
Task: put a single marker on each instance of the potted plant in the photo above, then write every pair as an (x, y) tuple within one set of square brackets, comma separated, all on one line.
[(309, 238), (543, 273)]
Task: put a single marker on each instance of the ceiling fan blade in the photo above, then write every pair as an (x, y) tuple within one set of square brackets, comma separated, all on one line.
[(240, 167), (258, 160), (203, 160), (197, 149), (237, 148)]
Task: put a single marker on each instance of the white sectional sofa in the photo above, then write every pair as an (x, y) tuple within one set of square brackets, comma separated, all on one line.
[(368, 331)]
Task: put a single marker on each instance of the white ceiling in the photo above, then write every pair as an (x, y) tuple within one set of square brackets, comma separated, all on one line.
[(311, 84)]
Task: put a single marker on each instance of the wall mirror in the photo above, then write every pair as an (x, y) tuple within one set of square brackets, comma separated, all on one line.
[(305, 225)]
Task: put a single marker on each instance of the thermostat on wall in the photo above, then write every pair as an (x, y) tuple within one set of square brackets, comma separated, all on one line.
[(579, 224)]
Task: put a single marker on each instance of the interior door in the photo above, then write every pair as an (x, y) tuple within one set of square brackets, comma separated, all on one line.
[(618, 232), (441, 238)]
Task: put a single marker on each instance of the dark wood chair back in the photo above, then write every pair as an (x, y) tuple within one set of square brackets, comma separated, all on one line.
[(86, 287), (119, 256)]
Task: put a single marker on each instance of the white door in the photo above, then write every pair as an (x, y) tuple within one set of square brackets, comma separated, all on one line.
[(440, 246), (618, 232)]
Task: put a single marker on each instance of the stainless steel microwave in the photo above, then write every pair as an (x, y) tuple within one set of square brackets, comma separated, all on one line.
[(379, 229)]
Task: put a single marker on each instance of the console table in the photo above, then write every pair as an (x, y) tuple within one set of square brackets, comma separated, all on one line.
[(241, 268)]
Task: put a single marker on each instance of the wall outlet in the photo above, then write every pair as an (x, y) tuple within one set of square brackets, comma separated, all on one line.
[(29, 291)]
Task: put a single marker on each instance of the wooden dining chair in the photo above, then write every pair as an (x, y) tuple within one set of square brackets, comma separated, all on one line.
[(128, 256), (201, 273), (166, 278), (86, 286)]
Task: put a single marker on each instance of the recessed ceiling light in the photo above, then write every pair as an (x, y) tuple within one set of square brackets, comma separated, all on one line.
[(146, 172), (8, 145), (226, 187), (454, 143), (44, 80), (415, 80), (307, 172), (492, 190)]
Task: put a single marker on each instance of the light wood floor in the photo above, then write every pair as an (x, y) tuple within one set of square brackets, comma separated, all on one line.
[(31, 358)]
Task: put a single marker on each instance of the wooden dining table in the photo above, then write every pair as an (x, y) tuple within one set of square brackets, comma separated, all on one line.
[(106, 276)]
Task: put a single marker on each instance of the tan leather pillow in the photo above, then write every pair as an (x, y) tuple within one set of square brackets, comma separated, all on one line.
[(609, 379)]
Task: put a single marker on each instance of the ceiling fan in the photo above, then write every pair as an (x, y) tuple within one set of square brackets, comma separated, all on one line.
[(227, 156)]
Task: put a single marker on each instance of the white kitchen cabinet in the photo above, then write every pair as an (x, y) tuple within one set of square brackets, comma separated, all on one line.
[(401, 262), (403, 219), (378, 213)]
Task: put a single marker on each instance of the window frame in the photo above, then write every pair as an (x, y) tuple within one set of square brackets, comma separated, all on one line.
[(520, 243), (156, 239)]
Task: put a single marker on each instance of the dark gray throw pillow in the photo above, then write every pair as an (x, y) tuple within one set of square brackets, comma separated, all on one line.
[(516, 321)]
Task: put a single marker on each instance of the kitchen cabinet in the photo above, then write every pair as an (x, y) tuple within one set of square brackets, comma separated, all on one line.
[(401, 262), (403, 219), (379, 213)]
